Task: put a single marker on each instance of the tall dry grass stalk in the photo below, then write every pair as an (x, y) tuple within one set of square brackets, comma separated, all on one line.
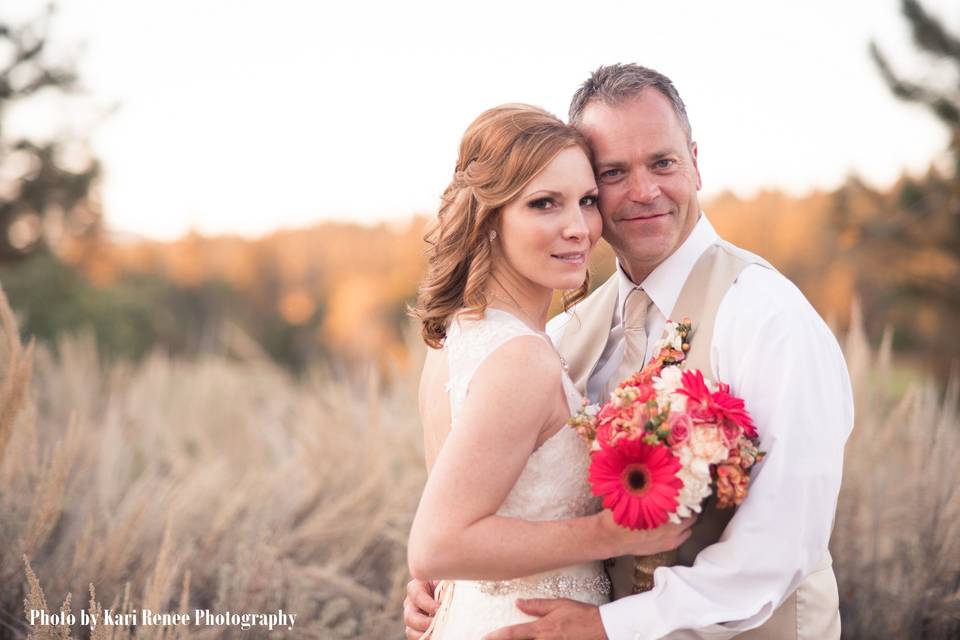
[(218, 483), (896, 543), (222, 483), (16, 374)]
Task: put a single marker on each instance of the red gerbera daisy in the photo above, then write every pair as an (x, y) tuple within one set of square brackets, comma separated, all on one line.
[(715, 407), (638, 482), (734, 410)]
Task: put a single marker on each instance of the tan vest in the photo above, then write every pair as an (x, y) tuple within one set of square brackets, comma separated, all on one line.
[(812, 610)]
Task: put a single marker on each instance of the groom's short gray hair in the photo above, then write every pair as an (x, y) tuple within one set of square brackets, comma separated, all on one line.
[(612, 84)]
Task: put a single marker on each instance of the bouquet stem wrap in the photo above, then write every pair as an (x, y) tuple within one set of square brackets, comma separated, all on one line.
[(644, 566)]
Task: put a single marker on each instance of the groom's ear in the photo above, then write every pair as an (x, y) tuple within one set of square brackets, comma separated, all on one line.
[(696, 168)]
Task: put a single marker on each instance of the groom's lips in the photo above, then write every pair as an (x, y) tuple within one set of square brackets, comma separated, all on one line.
[(644, 218)]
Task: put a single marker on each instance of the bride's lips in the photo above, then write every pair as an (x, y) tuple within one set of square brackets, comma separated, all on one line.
[(571, 257)]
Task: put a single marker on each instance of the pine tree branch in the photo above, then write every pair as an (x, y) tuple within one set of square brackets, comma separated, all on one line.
[(928, 32), (943, 106)]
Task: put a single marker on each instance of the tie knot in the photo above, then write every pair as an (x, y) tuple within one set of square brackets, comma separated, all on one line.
[(635, 310)]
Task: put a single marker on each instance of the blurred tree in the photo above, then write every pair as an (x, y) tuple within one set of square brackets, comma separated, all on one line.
[(129, 316), (46, 186), (907, 242), (943, 49)]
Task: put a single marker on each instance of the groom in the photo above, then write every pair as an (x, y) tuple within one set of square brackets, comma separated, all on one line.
[(763, 572)]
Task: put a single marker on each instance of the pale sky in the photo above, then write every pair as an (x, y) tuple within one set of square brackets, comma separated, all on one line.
[(245, 116)]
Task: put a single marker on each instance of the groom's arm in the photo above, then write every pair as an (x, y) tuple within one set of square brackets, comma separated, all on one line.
[(777, 354)]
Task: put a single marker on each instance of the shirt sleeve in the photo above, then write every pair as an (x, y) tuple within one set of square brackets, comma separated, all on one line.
[(776, 352)]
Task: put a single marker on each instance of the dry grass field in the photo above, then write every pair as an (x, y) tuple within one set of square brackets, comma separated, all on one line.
[(221, 482)]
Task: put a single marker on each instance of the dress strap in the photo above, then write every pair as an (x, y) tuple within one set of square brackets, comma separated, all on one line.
[(470, 342)]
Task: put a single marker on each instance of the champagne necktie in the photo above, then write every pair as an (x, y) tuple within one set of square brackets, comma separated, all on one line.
[(634, 337)]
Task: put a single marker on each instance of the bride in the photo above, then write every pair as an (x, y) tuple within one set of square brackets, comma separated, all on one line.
[(507, 511)]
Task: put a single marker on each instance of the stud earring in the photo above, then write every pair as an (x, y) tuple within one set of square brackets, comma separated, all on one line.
[(493, 235)]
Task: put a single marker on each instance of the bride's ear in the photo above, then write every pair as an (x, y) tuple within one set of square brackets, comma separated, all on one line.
[(494, 235)]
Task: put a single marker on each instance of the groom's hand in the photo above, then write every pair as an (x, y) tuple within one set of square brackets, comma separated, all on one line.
[(559, 619), (419, 607)]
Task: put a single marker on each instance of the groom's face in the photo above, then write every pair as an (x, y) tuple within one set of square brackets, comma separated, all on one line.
[(647, 176)]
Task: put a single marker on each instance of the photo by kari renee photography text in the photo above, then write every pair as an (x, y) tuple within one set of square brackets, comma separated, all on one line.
[(456, 321), (145, 617)]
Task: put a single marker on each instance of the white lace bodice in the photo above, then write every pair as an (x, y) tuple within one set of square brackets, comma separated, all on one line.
[(553, 484)]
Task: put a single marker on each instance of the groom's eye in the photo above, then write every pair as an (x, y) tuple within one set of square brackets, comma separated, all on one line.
[(611, 174)]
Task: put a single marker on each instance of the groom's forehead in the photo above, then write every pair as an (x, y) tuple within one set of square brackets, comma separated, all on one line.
[(635, 123)]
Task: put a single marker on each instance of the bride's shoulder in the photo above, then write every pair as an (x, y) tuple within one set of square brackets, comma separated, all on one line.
[(524, 364), (498, 341), (490, 326)]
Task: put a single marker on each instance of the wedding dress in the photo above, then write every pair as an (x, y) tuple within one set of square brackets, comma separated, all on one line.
[(552, 486)]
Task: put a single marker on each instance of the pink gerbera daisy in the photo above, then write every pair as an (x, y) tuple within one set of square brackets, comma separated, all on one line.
[(638, 482), (715, 407)]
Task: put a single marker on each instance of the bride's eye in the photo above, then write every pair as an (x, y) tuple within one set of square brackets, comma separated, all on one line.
[(541, 203), (589, 201)]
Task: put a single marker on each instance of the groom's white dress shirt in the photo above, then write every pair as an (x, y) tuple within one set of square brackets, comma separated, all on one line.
[(776, 352)]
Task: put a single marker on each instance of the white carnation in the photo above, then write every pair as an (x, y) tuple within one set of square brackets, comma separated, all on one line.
[(684, 454), (706, 443), (671, 338), (678, 403), (666, 385), (683, 511), (699, 467), (668, 381), (695, 490), (677, 342)]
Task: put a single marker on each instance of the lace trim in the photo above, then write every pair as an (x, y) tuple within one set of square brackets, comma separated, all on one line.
[(553, 587), (469, 342)]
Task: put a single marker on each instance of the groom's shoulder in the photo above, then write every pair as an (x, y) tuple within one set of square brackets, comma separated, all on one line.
[(764, 307), (762, 292)]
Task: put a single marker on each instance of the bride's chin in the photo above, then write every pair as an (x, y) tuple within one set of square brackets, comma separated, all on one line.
[(568, 281)]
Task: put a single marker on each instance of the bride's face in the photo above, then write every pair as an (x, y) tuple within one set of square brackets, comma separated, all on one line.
[(547, 232)]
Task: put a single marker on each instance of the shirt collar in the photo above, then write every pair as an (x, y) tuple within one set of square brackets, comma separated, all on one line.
[(664, 283)]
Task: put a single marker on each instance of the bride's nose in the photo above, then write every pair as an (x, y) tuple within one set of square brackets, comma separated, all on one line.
[(575, 224)]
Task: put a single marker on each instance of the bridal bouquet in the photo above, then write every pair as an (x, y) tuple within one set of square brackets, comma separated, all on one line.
[(665, 440)]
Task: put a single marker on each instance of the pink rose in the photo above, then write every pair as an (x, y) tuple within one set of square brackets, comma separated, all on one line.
[(680, 426), (731, 433)]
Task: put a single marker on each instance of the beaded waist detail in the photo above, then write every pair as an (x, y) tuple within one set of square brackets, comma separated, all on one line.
[(556, 586)]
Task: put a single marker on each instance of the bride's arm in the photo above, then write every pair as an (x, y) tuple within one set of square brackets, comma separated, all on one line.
[(456, 532)]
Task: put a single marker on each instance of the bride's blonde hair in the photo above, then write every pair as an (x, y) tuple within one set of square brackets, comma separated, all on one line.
[(500, 153)]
